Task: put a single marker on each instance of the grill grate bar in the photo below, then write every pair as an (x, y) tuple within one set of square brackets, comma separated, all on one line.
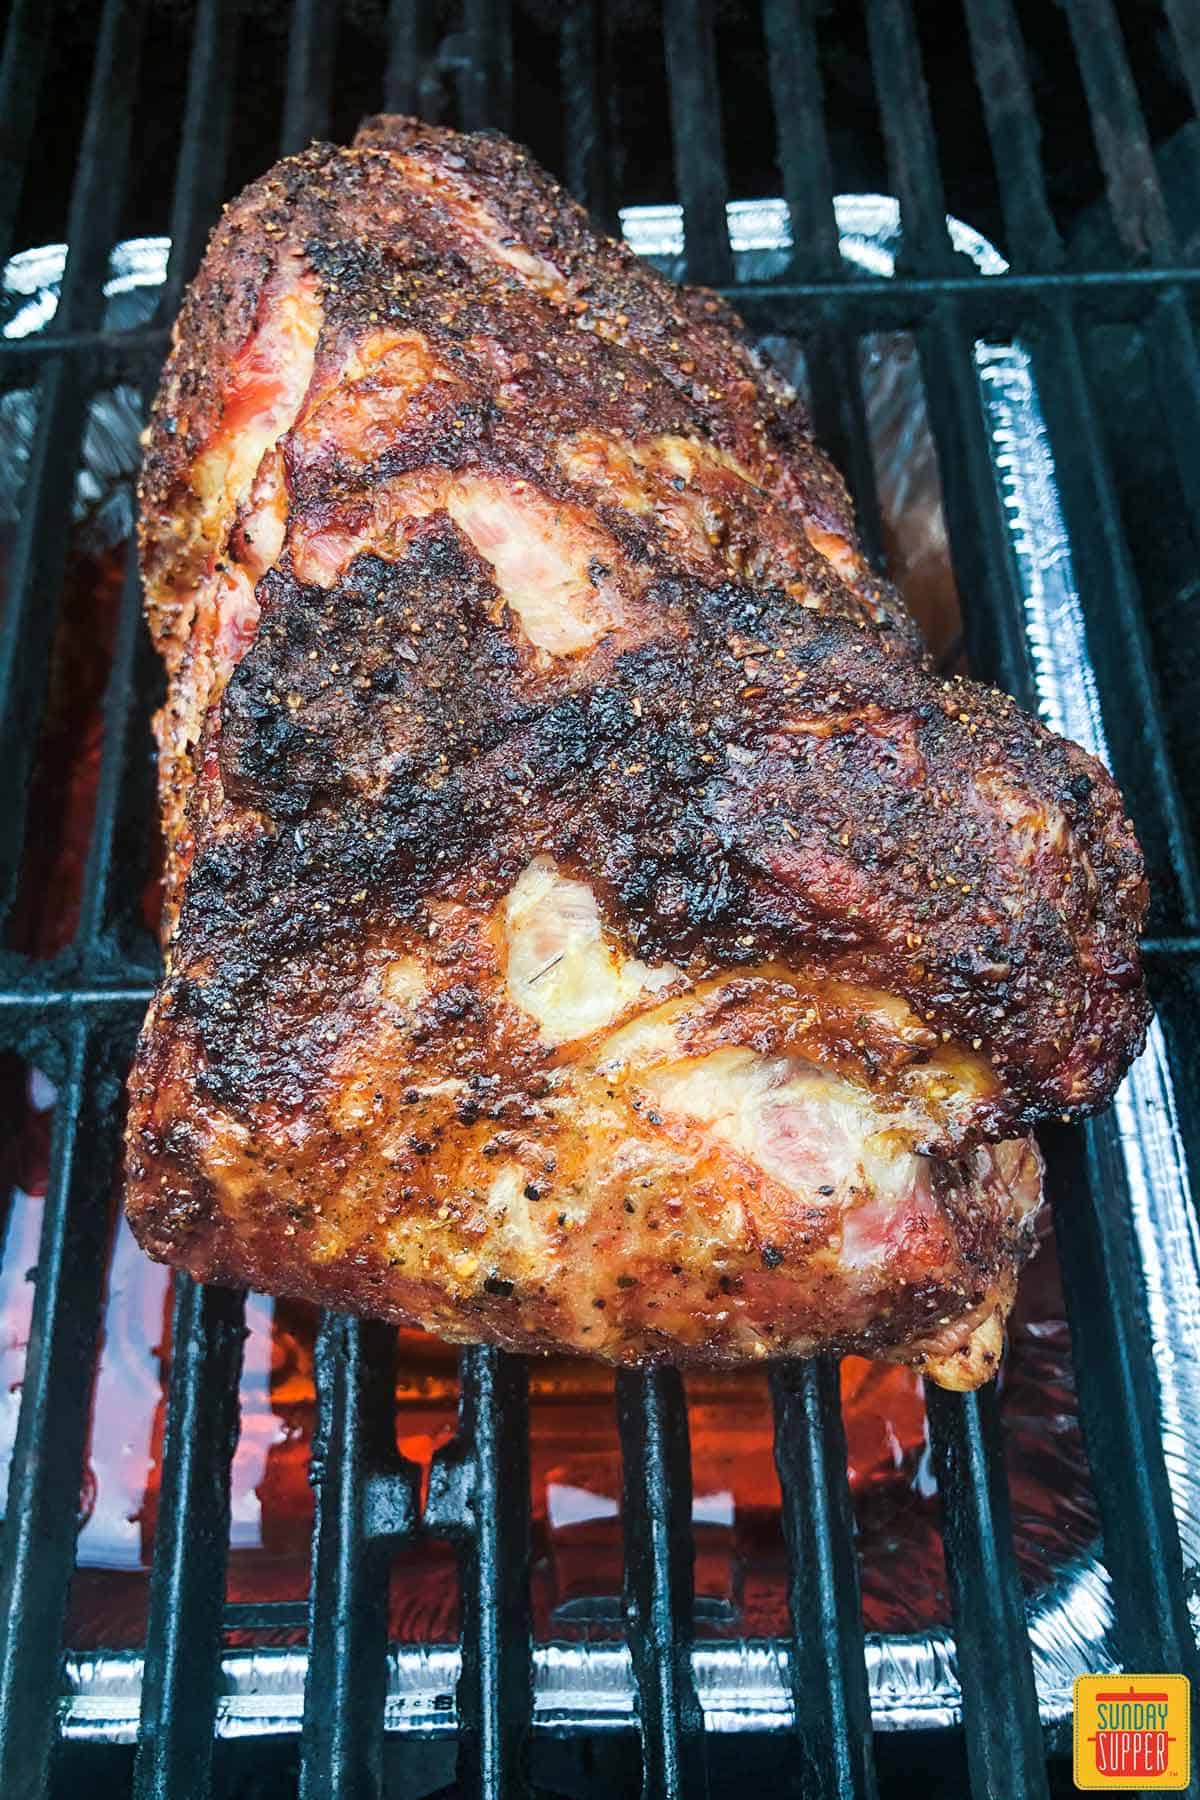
[(1170, 339), (187, 1582), (406, 56), (839, 412), (1001, 307), (103, 359), (25, 43), (1185, 28), (827, 1666), (1117, 635), (799, 102), (203, 148), (103, 159), (309, 74), (31, 608), (1000, 1718), (1180, 944), (656, 1513), (479, 1497), (113, 785), (366, 1499), (585, 86), (835, 377), (1115, 1381), (908, 135), (700, 171), (983, 562), (38, 559), (1138, 208), (1003, 77), (486, 74), (41, 1519), (35, 998)]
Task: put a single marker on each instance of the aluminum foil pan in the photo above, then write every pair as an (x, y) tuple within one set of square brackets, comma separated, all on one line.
[(743, 1686)]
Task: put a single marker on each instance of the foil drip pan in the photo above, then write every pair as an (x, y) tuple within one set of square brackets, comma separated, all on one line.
[(743, 1684)]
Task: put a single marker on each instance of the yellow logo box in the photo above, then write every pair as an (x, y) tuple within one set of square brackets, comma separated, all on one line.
[(1132, 1731)]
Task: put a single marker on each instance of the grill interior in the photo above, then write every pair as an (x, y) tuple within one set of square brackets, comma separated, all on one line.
[(1068, 135)]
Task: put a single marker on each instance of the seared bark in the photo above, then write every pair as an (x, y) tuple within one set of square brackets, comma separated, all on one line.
[(512, 617)]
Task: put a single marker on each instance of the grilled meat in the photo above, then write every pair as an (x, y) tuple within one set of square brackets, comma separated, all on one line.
[(589, 922)]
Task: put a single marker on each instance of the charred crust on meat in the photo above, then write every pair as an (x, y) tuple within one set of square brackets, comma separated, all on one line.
[(748, 767), (663, 782), (386, 255)]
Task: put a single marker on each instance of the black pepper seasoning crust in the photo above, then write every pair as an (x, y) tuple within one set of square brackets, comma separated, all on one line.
[(611, 344), (844, 810), (754, 770)]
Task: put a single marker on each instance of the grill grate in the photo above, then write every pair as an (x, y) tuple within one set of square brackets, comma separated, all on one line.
[(77, 1014)]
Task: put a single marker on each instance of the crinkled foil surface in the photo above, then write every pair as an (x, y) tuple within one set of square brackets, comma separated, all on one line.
[(743, 1686)]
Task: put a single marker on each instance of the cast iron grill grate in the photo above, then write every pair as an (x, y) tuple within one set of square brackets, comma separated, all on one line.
[(77, 1013)]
